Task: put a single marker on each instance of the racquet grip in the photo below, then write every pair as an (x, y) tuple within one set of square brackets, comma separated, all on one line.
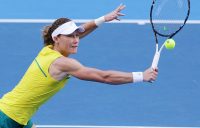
[(155, 60)]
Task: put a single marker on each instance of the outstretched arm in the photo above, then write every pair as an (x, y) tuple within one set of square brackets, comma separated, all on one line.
[(92, 25), (67, 66)]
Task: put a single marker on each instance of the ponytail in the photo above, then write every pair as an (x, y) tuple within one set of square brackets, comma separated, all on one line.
[(47, 36)]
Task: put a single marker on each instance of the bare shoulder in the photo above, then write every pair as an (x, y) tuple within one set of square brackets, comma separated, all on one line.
[(65, 60), (66, 64)]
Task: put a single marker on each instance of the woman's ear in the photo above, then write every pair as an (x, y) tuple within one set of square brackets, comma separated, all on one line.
[(55, 39)]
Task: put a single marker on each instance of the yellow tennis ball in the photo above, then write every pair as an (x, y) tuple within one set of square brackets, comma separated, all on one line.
[(170, 44)]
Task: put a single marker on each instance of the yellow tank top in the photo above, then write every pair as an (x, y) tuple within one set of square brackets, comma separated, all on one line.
[(34, 89)]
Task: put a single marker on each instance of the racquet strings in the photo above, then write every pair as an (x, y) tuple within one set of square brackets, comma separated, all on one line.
[(169, 15)]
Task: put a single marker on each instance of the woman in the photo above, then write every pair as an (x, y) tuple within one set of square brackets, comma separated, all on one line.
[(52, 68)]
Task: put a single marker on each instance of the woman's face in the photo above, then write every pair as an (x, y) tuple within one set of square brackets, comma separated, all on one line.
[(67, 44)]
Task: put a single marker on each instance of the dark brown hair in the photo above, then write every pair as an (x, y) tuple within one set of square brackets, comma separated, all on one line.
[(48, 30)]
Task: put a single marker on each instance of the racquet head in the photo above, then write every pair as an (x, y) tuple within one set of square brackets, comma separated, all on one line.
[(168, 17)]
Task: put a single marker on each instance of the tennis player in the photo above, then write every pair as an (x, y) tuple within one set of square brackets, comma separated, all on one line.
[(52, 68)]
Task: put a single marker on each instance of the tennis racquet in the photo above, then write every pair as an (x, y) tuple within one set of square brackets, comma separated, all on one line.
[(167, 18)]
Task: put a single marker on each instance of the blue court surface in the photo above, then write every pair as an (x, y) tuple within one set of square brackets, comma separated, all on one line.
[(171, 101)]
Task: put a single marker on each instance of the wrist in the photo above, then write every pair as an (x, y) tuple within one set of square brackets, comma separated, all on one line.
[(137, 77), (99, 21)]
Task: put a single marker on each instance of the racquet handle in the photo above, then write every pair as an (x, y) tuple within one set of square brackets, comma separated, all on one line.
[(155, 60)]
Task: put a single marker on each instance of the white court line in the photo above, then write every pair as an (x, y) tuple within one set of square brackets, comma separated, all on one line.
[(93, 126), (136, 21)]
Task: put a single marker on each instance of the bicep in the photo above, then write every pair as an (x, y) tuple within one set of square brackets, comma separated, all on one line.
[(76, 69)]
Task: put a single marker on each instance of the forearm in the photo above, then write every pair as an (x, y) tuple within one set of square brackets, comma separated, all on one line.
[(92, 25), (109, 77), (117, 77), (89, 27)]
